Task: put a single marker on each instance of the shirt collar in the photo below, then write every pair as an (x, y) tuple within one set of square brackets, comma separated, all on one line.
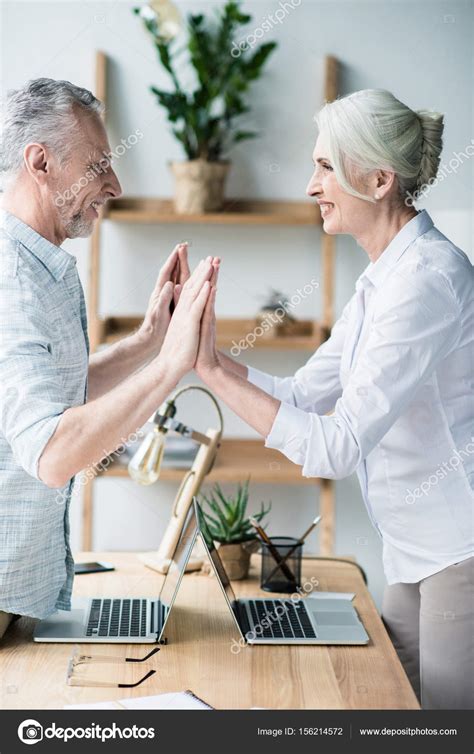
[(54, 258), (376, 272)]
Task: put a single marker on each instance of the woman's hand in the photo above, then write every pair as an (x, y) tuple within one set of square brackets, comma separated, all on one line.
[(181, 273), (179, 350), (207, 357), (157, 318)]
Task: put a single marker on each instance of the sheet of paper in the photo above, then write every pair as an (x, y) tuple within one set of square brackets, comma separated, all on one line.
[(175, 700), (94, 705)]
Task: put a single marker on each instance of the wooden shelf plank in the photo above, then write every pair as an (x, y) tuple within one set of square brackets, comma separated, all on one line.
[(230, 332), (237, 460), (235, 212)]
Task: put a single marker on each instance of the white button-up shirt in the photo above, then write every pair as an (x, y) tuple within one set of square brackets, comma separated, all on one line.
[(398, 370)]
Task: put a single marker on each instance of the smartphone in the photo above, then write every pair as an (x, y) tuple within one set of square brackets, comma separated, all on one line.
[(92, 567)]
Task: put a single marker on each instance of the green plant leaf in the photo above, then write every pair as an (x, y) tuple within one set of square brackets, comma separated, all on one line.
[(222, 78), (226, 505), (215, 509), (255, 63), (243, 135), (227, 521)]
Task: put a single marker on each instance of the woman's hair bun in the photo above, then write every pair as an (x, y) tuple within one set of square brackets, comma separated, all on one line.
[(432, 126)]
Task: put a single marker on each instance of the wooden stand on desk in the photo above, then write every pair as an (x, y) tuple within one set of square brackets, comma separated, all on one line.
[(189, 487)]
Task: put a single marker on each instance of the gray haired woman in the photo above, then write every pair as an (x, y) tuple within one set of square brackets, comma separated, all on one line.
[(396, 375)]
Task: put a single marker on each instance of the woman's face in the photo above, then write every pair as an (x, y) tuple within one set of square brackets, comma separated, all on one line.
[(341, 212)]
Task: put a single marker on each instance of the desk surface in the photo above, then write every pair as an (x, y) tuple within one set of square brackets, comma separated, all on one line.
[(33, 676)]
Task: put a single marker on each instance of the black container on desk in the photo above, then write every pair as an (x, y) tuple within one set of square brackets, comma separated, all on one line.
[(275, 578)]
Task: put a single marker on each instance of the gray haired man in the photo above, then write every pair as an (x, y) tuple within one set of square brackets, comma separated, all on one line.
[(61, 411)]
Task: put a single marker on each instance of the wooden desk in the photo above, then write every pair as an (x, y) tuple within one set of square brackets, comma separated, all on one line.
[(199, 657)]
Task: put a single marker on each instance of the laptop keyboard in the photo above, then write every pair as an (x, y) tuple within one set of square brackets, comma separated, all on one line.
[(120, 617), (280, 619)]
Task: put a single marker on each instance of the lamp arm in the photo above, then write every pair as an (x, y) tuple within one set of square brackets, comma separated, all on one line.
[(182, 390), (188, 489), (182, 429), (192, 480)]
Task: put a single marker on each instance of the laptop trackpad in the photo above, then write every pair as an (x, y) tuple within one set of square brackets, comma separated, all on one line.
[(339, 618), (65, 624)]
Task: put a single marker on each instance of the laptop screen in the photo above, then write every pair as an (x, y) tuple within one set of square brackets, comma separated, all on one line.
[(177, 566), (214, 555)]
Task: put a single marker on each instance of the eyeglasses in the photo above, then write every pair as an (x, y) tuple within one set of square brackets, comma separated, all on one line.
[(81, 659)]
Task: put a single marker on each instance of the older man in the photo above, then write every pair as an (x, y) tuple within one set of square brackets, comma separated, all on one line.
[(59, 410)]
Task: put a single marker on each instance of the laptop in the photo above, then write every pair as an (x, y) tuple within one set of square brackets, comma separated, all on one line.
[(122, 620), (284, 620)]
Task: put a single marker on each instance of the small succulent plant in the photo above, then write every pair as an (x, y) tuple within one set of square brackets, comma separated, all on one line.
[(228, 523)]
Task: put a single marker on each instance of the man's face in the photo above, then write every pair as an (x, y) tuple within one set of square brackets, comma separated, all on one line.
[(86, 179)]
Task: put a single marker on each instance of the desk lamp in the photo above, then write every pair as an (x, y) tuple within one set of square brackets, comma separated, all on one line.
[(145, 467)]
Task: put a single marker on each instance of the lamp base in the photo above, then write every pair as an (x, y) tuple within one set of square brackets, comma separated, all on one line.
[(162, 564)]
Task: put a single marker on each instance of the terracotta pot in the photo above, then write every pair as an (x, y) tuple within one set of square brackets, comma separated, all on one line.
[(199, 186), (236, 558)]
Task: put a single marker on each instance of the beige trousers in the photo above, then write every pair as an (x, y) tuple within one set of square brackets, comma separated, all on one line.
[(431, 624), (5, 620)]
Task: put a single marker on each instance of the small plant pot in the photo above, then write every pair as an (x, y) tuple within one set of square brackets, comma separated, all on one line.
[(199, 186), (274, 324), (267, 321), (236, 558)]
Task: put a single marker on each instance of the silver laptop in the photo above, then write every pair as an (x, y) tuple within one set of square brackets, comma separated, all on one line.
[(285, 620), (131, 620)]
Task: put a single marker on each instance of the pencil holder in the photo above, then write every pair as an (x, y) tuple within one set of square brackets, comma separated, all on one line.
[(283, 576)]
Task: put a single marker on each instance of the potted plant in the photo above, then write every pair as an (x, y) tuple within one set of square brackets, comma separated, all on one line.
[(275, 320), (228, 525), (204, 117), (273, 313)]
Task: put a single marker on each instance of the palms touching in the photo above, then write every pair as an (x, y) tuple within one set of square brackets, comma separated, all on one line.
[(172, 276)]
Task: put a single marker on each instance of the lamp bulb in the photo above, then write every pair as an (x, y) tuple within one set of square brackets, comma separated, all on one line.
[(145, 465)]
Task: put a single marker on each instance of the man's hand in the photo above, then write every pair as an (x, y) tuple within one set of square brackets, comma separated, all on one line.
[(180, 346), (208, 357), (175, 271)]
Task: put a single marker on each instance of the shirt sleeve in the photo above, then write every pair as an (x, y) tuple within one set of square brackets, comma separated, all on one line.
[(416, 323), (316, 386), (31, 395)]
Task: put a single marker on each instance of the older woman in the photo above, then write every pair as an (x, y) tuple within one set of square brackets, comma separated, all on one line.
[(397, 373)]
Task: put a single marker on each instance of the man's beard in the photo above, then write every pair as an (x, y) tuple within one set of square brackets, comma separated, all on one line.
[(76, 225)]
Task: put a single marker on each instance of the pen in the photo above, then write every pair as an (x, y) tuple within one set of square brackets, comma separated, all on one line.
[(263, 536), (299, 543)]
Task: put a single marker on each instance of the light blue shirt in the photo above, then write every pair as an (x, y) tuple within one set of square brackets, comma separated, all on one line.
[(398, 374), (44, 352)]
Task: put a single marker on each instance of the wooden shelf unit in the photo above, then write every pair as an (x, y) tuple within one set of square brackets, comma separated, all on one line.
[(235, 211), (229, 333), (237, 459)]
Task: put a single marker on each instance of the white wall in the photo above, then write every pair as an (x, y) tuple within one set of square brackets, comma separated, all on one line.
[(419, 50)]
